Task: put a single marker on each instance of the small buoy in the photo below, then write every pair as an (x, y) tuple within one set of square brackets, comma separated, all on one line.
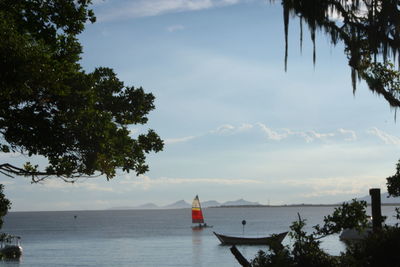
[(75, 216)]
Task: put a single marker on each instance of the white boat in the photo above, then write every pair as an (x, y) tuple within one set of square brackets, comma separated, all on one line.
[(348, 235), (10, 247), (354, 235)]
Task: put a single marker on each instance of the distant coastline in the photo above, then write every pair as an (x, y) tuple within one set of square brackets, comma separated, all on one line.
[(241, 203), (295, 205), (250, 206), (277, 206)]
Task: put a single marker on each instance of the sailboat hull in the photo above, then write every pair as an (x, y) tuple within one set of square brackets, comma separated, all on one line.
[(233, 240)]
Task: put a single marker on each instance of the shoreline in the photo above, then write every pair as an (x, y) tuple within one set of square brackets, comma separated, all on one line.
[(295, 205)]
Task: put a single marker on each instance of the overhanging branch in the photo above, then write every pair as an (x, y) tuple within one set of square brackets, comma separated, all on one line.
[(37, 176)]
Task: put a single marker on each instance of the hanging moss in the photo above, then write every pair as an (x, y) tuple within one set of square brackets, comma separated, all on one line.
[(369, 30)]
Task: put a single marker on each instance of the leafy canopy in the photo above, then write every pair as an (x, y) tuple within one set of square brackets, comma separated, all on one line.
[(5, 205), (49, 106)]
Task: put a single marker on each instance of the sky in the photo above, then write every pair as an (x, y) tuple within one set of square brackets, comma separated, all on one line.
[(234, 123)]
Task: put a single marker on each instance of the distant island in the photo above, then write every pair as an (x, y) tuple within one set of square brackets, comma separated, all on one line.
[(182, 204)]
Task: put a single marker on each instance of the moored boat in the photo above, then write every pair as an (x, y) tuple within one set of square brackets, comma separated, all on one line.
[(10, 247), (349, 234), (235, 240)]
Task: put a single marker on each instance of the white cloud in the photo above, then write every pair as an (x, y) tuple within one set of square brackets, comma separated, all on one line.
[(333, 186), (7, 183), (308, 136), (145, 8), (99, 2), (315, 135), (95, 187), (271, 134), (224, 129), (169, 141), (174, 28), (245, 127), (385, 137), (80, 184), (351, 135), (275, 134), (146, 182)]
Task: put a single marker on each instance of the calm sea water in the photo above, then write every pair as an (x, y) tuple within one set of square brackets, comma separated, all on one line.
[(150, 237)]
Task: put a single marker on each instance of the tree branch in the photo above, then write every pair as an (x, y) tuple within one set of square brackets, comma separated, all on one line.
[(239, 257), (37, 176)]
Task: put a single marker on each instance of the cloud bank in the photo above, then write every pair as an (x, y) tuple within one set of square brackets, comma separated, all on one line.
[(279, 135), (333, 186), (147, 8), (145, 182), (385, 137)]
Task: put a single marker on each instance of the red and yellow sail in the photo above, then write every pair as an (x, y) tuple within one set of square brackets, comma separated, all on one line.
[(197, 214)]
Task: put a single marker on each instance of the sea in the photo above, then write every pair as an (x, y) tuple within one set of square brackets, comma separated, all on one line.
[(152, 238)]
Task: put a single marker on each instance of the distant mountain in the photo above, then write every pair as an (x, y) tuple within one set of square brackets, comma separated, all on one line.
[(240, 202), (385, 199), (181, 204), (210, 203), (147, 206), (122, 208)]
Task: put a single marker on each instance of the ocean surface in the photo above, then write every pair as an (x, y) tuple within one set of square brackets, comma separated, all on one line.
[(151, 237)]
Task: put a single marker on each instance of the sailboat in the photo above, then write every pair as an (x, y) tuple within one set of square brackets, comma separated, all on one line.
[(197, 215)]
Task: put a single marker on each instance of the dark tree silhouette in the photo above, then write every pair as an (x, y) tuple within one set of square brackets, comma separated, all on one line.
[(5, 205), (50, 107)]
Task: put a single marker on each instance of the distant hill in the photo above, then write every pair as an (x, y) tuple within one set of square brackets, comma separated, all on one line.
[(385, 199), (240, 202), (147, 206), (210, 203), (181, 204), (122, 208)]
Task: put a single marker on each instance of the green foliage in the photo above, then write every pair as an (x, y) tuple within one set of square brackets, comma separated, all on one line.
[(5, 205), (306, 250), (349, 215), (393, 182), (377, 250), (278, 258), (50, 107)]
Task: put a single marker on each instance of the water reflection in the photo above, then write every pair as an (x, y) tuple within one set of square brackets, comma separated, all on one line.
[(11, 262), (197, 246)]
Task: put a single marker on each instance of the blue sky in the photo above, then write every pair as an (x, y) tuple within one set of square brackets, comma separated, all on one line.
[(235, 124)]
